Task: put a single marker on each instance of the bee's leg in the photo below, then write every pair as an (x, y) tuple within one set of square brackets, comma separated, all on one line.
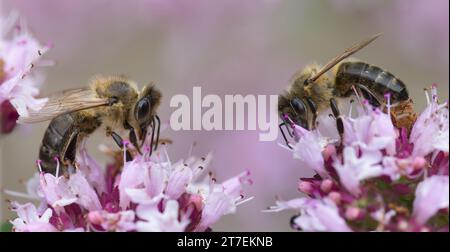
[(337, 116), (370, 96), (157, 131), (312, 105), (134, 141), (152, 124), (68, 154), (286, 125), (144, 133), (119, 141), (284, 135)]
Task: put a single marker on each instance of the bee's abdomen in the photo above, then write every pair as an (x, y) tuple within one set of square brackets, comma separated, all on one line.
[(54, 140), (374, 78)]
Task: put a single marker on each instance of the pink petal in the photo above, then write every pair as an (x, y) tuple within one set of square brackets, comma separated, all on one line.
[(432, 194)]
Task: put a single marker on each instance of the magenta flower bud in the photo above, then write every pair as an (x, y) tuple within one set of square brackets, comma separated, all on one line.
[(418, 163), (95, 218), (352, 213), (335, 197), (402, 189), (196, 200), (8, 117), (329, 151), (326, 185), (403, 225), (305, 187)]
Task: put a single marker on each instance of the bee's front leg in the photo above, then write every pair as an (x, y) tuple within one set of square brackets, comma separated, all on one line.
[(338, 117), (284, 135), (119, 141), (157, 130), (67, 156), (312, 105), (134, 141)]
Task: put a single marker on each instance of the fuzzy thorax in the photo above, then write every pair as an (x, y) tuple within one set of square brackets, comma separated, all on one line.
[(320, 91)]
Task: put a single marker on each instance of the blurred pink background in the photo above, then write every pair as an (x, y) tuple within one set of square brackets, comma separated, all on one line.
[(226, 47)]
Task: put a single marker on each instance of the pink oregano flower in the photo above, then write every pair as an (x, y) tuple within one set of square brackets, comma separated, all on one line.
[(30, 220), (20, 77), (377, 177), (144, 194)]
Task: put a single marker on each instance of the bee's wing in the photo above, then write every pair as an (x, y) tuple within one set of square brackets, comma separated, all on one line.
[(348, 52), (65, 102)]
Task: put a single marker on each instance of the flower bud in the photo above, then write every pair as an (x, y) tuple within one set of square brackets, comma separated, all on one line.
[(352, 213), (306, 187), (95, 217), (418, 163), (403, 225), (335, 197), (329, 151), (326, 185)]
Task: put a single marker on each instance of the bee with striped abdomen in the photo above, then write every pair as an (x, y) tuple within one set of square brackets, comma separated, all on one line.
[(316, 89), (110, 102)]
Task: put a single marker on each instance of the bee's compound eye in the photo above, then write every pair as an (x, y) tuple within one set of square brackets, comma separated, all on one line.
[(299, 106), (142, 109)]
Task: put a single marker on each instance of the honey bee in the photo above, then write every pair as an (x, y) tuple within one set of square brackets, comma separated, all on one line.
[(313, 90), (111, 102)]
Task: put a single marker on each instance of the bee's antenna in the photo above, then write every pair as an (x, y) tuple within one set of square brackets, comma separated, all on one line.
[(348, 52)]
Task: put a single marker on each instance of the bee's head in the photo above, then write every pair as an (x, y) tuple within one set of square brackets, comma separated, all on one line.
[(293, 109), (143, 112)]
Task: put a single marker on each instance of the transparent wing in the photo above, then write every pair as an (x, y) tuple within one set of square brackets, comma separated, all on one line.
[(348, 52), (65, 102)]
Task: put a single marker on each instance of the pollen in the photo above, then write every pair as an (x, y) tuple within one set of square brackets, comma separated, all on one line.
[(2, 73), (403, 115)]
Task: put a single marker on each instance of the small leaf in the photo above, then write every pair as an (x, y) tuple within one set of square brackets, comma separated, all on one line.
[(6, 227)]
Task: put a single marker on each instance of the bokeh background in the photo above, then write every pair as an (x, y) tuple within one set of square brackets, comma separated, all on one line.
[(226, 47)]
